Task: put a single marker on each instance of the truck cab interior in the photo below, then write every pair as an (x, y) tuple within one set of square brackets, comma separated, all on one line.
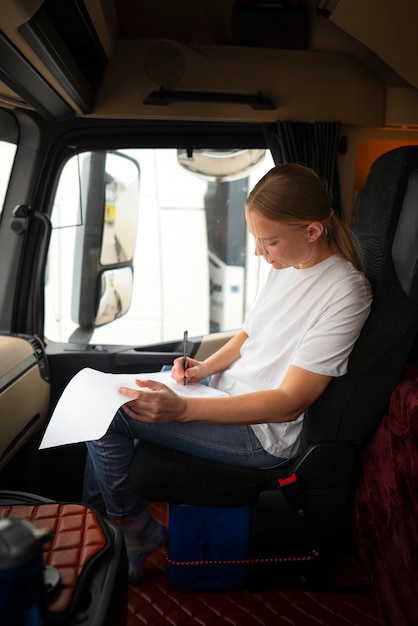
[(131, 134)]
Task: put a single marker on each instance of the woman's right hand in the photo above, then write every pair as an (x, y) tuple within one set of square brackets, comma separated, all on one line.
[(195, 370)]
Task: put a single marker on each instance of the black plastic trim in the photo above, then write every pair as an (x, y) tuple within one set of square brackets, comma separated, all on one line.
[(44, 40), (163, 97), (20, 76)]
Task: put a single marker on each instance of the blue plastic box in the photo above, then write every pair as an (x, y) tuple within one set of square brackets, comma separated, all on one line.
[(198, 535)]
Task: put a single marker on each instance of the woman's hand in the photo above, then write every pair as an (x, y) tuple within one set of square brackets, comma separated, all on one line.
[(154, 403), (195, 370), (217, 362)]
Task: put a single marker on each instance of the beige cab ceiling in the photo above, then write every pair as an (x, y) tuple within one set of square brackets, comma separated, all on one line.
[(346, 71)]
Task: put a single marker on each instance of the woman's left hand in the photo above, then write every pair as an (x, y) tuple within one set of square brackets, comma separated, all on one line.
[(155, 402)]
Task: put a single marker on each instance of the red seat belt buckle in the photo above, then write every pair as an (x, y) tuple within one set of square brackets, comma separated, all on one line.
[(288, 480)]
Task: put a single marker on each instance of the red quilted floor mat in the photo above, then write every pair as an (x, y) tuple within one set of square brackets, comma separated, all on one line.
[(156, 603)]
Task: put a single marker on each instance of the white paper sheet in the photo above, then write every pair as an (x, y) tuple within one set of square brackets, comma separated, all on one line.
[(91, 399)]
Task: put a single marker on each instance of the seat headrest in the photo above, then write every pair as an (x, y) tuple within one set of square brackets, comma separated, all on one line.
[(386, 217)]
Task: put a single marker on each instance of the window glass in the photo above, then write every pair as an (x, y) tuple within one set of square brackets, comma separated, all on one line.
[(194, 266), (7, 155)]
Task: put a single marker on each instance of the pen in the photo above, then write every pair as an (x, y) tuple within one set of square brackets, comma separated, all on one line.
[(185, 336)]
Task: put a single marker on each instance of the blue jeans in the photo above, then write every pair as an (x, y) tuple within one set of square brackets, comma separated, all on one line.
[(106, 483)]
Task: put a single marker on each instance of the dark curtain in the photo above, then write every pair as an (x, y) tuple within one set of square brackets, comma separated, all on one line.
[(312, 144)]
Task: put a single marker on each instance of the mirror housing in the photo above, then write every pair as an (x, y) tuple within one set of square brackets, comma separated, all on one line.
[(220, 165), (106, 239)]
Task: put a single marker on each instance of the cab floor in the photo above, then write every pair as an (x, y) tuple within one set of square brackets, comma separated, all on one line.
[(344, 601)]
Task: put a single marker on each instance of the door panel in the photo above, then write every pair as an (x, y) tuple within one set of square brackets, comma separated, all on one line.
[(24, 393)]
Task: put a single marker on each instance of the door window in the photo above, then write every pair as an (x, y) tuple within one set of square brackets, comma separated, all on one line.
[(7, 155), (182, 216)]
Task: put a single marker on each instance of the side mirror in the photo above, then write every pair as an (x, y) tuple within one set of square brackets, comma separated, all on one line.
[(106, 239), (115, 295), (220, 165)]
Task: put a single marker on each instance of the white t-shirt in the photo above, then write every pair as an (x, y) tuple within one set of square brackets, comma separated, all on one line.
[(310, 318)]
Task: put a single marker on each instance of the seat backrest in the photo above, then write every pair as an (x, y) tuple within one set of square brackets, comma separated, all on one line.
[(386, 225)]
